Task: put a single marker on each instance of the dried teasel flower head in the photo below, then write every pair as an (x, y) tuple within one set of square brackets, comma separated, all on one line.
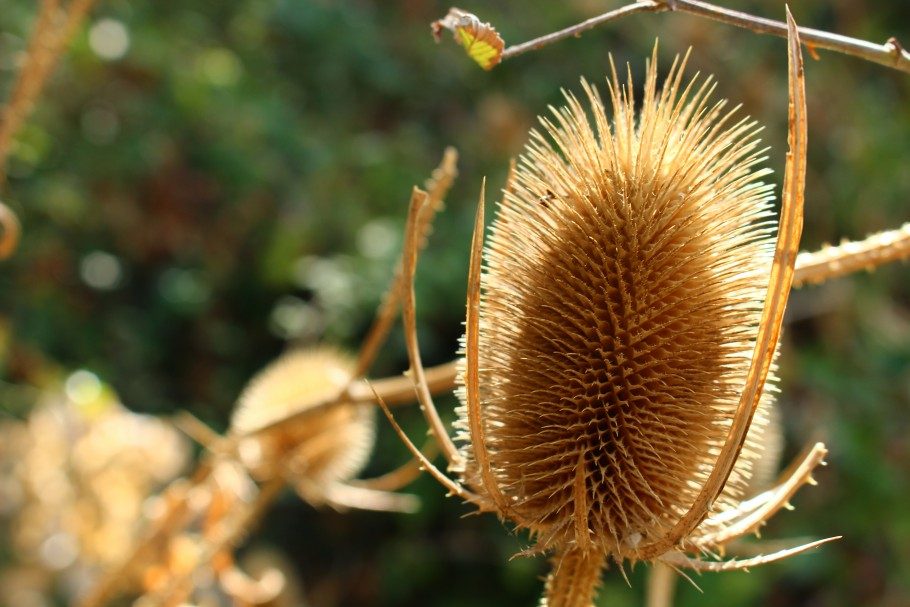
[(618, 341), (625, 275), (330, 446)]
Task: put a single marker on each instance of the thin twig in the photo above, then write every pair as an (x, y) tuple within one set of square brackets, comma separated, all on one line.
[(28, 81), (399, 477), (396, 390), (645, 6), (678, 559), (890, 54)]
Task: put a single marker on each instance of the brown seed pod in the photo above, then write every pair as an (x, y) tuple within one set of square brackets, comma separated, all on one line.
[(323, 449), (619, 338)]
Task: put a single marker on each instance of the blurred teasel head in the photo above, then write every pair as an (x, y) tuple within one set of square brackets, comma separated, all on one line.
[(326, 447)]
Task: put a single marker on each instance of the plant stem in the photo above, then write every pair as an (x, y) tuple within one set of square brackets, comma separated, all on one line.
[(890, 54), (645, 6), (846, 258)]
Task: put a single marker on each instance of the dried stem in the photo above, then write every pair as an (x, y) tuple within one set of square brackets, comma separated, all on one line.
[(771, 501), (574, 578), (50, 36), (232, 528), (646, 6), (409, 315), (396, 390), (677, 559), (891, 54), (661, 585), (437, 187), (848, 257), (399, 477), (176, 506)]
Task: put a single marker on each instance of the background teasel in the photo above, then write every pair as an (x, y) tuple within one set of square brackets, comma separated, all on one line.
[(227, 222), (321, 451)]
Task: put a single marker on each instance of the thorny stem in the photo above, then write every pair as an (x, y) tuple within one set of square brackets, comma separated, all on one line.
[(832, 262), (176, 510), (645, 6), (890, 54), (397, 390), (49, 37)]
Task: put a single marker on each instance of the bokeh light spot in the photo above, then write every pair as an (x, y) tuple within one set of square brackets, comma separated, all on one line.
[(183, 289), (101, 270), (109, 39), (220, 67), (83, 387), (293, 318), (378, 239), (59, 551)]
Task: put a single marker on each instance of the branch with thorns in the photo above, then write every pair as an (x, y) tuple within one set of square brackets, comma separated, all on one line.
[(475, 34), (54, 27)]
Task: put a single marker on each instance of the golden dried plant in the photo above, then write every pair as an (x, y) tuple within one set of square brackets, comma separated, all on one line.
[(618, 342), (304, 420), (319, 455), (75, 478)]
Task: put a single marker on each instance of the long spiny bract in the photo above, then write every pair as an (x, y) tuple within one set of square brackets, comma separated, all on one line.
[(624, 281)]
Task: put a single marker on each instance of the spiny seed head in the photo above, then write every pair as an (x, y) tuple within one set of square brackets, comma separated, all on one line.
[(624, 278), (329, 445)]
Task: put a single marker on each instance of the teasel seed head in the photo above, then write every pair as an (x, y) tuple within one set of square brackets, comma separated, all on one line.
[(331, 445), (624, 279)]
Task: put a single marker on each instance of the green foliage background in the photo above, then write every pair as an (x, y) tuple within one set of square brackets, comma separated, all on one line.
[(248, 163)]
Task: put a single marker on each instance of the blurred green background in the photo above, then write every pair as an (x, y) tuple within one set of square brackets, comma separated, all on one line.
[(206, 183)]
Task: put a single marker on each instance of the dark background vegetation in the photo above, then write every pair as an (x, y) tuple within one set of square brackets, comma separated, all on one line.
[(237, 182)]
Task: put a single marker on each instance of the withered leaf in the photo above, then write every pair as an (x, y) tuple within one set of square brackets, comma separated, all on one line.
[(480, 40)]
